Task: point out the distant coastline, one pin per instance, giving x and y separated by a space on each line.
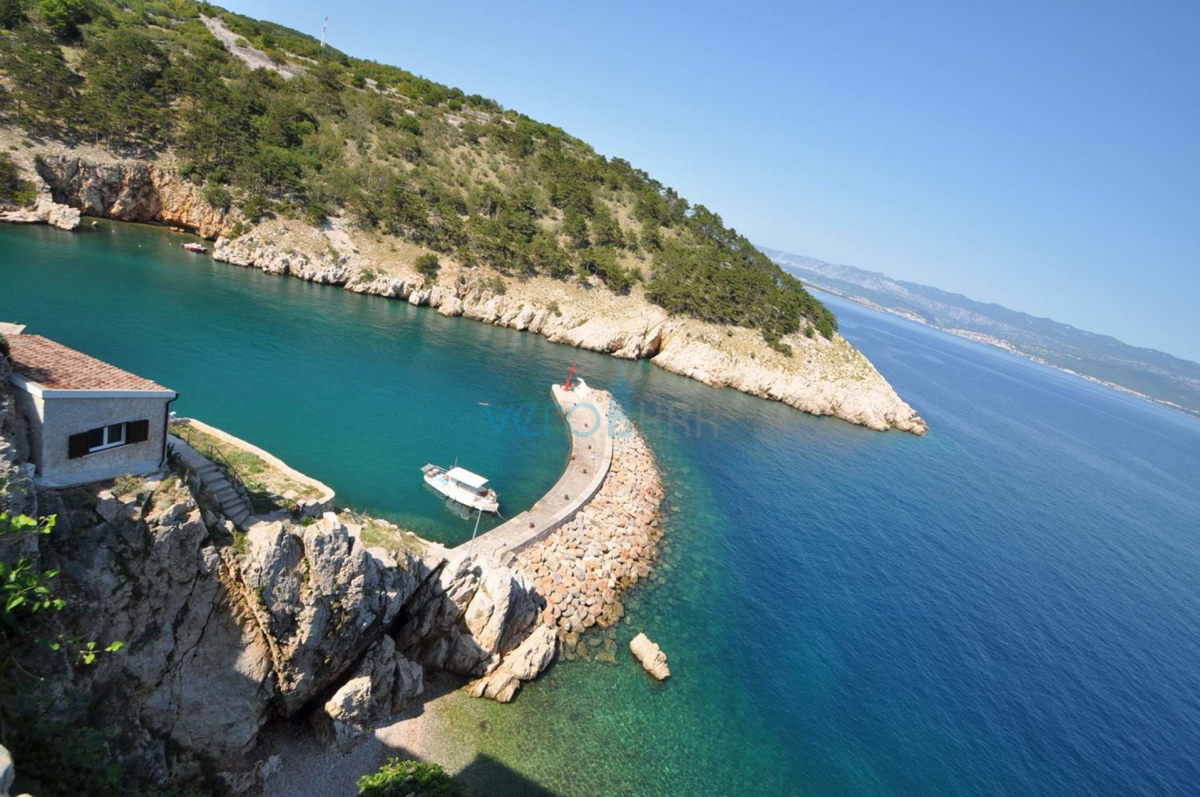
998 343
1140 372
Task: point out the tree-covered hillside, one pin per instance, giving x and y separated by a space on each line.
322 133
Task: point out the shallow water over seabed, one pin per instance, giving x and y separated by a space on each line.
1004 607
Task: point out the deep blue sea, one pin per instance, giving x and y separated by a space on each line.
1008 606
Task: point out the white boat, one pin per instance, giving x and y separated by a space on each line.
459 484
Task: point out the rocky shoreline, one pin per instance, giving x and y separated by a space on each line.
822 377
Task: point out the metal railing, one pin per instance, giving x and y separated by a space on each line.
214 455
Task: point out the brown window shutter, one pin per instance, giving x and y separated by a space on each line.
77 445
137 431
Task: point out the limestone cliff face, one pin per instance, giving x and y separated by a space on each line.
142 568
131 191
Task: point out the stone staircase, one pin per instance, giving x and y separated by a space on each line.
233 504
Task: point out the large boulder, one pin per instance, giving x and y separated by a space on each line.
523 663
651 656
384 682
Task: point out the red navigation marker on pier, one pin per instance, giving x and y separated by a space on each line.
570 377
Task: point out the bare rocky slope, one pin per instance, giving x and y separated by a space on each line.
823 376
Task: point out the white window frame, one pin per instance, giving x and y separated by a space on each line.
107 442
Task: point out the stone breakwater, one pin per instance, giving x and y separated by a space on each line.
583 568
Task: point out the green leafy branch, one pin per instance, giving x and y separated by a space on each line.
25 590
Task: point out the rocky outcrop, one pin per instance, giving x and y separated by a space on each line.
226 633
523 663
141 568
650 656
320 600
131 191
326 267
836 379
44 211
475 617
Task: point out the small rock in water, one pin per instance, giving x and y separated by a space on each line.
651 656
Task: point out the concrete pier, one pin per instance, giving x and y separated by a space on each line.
591 457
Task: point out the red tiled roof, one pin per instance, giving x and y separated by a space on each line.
58 367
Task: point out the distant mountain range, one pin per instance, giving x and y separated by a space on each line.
1148 373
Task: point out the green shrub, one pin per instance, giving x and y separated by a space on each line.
4 346
61 759
778 345
602 261
409 124
496 285
14 190
315 213
11 14
217 196
64 17
255 207
123 485
399 778
428 265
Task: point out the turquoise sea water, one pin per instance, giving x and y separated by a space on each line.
1007 606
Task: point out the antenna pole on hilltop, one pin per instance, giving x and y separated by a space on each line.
324 27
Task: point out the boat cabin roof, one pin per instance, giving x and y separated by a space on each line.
466 477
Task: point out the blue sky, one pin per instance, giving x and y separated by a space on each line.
1045 156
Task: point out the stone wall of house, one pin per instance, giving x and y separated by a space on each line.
64 417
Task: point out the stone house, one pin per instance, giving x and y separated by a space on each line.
86 420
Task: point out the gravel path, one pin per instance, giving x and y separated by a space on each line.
253 58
